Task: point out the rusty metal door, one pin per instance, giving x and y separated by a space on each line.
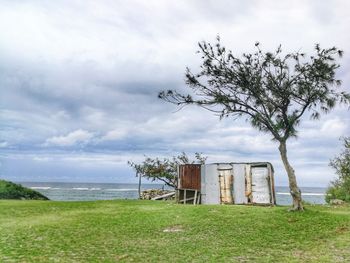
226 185
190 176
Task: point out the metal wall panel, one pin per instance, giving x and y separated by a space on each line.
239 184
260 185
261 176
210 190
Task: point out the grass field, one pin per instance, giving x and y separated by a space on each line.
150 231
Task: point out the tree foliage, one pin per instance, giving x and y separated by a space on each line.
271 90
340 188
165 170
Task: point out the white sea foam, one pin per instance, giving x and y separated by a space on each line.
314 194
80 188
40 187
121 190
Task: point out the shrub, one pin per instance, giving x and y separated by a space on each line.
340 188
9 190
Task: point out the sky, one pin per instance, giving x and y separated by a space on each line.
79 83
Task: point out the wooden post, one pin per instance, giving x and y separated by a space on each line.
185 196
177 180
195 197
138 174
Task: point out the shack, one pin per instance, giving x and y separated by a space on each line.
226 183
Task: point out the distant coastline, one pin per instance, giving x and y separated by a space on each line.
65 191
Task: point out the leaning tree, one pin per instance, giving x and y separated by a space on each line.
271 90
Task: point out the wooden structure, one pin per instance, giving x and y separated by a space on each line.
226 183
188 196
189 181
190 176
164 196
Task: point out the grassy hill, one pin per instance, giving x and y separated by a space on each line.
151 231
9 190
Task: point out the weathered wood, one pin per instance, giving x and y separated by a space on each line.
225 181
165 196
198 199
153 193
189 176
195 197
188 195
187 199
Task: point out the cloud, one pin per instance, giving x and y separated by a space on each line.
115 135
80 137
3 144
334 127
84 77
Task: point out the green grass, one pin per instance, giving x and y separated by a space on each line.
150 231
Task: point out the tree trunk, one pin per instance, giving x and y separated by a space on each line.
294 189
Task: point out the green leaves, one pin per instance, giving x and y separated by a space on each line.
340 188
165 169
272 90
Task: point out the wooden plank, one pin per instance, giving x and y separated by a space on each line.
188 199
163 196
187 195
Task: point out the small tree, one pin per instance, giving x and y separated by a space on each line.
271 90
165 169
340 188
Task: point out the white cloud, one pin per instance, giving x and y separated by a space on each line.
42 158
3 144
73 138
334 127
116 134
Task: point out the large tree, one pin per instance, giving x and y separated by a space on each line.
271 90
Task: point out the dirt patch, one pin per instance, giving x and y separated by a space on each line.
173 229
342 229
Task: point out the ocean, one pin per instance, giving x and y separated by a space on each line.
110 191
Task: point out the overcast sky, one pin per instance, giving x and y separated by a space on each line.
79 83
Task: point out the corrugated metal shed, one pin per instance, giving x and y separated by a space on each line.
236 183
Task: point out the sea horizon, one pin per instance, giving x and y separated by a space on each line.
87 191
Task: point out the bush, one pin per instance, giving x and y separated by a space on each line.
340 188
9 190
